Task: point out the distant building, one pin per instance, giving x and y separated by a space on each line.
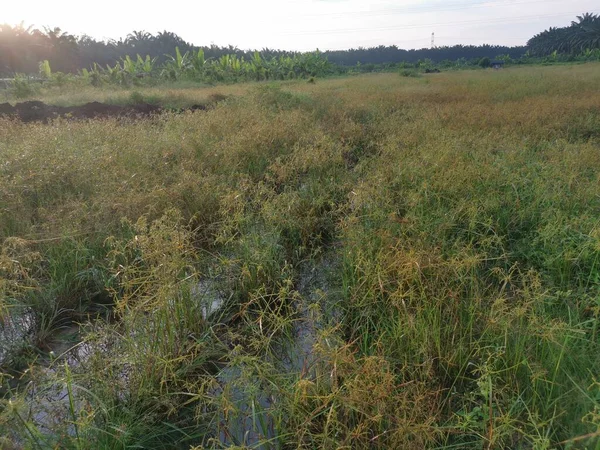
496 64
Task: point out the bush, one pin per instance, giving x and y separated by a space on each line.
23 87
485 62
412 73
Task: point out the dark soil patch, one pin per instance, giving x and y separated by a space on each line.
7 109
35 111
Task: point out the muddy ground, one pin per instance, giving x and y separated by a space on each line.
36 111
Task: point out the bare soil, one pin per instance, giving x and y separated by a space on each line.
36 111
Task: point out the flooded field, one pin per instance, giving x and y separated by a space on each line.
362 262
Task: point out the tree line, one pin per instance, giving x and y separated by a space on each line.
23 48
392 54
581 36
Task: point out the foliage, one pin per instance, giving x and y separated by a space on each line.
23 87
580 37
165 56
231 68
45 70
67 53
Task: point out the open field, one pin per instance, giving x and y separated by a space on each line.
363 262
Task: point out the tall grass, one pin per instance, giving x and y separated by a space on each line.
454 218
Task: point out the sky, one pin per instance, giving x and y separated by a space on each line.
306 24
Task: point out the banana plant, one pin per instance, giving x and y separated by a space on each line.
199 63
224 62
146 65
96 75
114 74
45 70
195 65
176 66
236 67
257 66
128 66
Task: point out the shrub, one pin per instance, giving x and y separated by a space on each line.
23 87
411 73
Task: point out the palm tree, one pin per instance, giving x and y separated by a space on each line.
581 35
21 48
137 37
63 52
586 33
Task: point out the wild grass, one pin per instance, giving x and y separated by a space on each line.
454 217
170 95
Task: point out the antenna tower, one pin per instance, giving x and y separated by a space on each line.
433 40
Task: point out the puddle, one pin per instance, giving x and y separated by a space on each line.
315 299
210 298
48 402
48 406
14 334
247 421
252 422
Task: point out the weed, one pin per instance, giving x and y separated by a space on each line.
458 218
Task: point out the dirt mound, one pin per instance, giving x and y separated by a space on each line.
35 111
6 109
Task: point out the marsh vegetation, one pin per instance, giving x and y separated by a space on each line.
367 262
